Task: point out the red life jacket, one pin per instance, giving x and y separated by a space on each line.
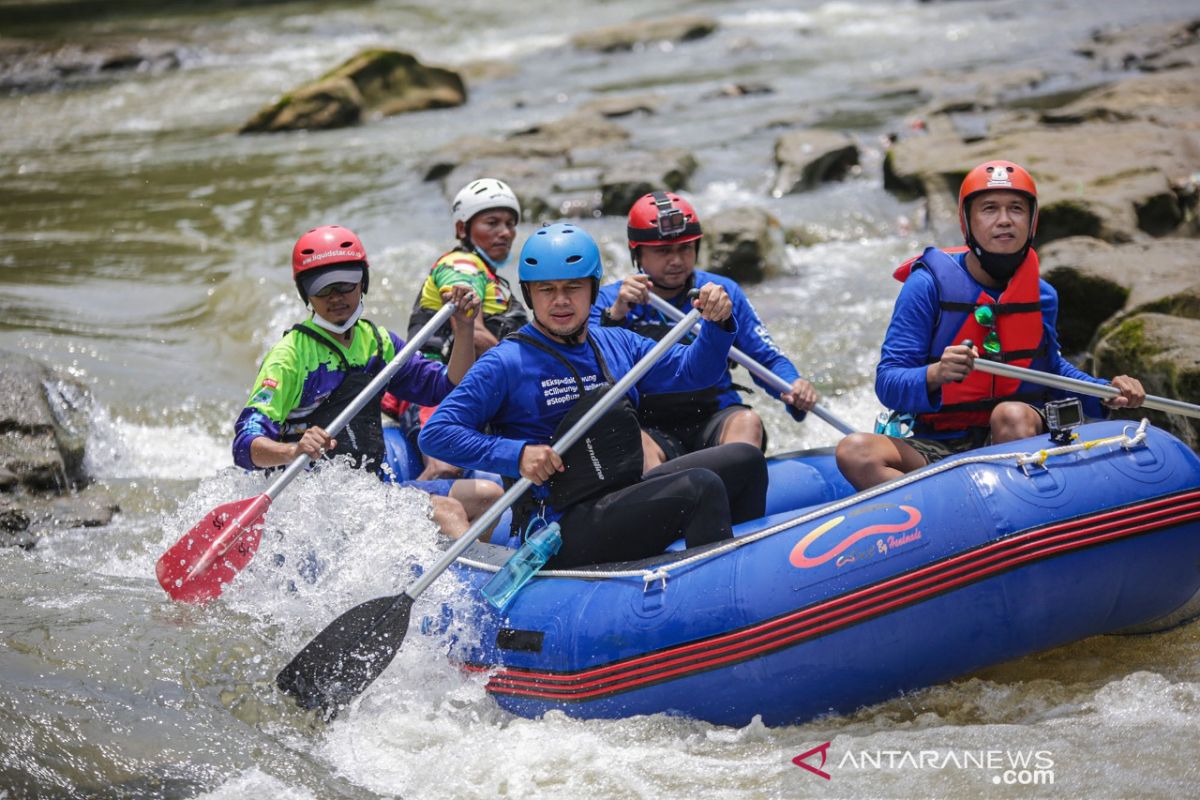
1018 315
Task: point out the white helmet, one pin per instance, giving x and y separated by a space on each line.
481 195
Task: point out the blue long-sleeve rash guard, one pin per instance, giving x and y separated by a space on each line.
900 376
520 394
752 337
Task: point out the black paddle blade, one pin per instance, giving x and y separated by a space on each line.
353 650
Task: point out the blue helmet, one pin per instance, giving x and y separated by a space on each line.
559 252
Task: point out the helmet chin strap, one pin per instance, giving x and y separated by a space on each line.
339 329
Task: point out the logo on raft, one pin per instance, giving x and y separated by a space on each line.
891 536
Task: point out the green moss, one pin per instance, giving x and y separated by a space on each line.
1128 339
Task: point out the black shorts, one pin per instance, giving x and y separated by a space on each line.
679 440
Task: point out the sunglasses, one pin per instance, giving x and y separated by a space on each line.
339 288
986 317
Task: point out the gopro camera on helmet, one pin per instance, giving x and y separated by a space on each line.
1061 417
671 220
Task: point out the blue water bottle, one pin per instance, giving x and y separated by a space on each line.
522 566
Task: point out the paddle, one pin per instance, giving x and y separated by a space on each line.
1082 387
196 568
758 370
353 650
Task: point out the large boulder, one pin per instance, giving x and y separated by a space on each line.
375 83
683 28
745 244
1121 185
1164 353
43 426
575 166
1096 282
44 421
805 159
635 174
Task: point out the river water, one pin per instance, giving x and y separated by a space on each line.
146 252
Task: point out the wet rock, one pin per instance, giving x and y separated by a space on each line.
1163 352
1150 47
375 83
1165 98
575 166
581 130
1122 184
808 158
739 90
1096 282
613 107
745 244
90 507
636 174
475 72
1086 297
683 28
44 421
35 66
43 424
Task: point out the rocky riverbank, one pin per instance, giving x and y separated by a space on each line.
1118 172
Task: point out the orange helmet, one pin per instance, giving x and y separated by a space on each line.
993 175
661 218
330 251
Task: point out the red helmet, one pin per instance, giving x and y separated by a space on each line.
662 218
994 175
321 249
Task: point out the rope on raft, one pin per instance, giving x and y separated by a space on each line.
1124 440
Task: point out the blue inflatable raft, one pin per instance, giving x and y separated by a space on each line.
836 600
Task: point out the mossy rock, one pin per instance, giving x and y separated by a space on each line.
374 83
1163 352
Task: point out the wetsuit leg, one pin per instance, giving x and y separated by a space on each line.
642 520
741 468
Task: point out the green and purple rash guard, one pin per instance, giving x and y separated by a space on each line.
298 374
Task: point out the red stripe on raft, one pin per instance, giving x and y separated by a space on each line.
856 606
901 583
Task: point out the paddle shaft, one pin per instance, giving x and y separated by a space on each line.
756 369
561 446
1082 387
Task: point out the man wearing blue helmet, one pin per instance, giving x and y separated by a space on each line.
531 387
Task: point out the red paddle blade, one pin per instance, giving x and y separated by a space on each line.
210 555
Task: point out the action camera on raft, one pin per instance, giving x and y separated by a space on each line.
1061 417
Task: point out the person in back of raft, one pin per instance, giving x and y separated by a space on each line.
532 387
485 214
321 365
989 293
664 243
